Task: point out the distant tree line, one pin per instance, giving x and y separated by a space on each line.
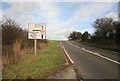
78 36
106 32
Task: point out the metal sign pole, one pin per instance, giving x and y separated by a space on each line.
35 46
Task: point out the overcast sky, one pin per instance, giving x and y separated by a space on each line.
61 18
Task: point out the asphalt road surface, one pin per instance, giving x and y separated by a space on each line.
93 63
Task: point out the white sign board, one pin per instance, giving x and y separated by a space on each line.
36 31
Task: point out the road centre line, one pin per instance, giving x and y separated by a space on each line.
73 45
97 54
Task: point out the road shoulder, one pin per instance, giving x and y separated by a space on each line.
68 72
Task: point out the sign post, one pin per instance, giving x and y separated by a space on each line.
36 31
35 46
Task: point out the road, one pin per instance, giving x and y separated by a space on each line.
93 63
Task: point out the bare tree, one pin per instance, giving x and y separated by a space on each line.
103 27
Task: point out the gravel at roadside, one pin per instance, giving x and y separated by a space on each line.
67 73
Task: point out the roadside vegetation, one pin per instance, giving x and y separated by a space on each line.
45 63
106 35
15 45
18 59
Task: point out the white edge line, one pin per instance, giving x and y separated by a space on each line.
67 54
64 55
97 54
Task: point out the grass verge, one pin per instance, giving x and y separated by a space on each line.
33 66
106 47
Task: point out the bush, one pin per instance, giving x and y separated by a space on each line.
15 42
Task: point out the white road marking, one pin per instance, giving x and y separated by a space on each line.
97 54
73 44
67 54
69 43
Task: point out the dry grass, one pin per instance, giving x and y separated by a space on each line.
13 53
41 45
17 50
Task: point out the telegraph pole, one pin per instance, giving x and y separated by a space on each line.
114 31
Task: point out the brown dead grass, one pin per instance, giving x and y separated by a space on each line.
41 45
14 53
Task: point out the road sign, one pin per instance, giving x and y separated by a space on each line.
36 31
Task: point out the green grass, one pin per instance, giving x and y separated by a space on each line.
107 47
44 63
